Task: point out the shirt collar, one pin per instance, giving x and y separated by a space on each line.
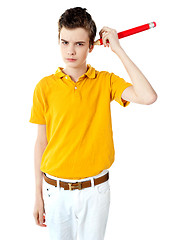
90 72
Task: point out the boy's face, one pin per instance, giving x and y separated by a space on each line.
74 46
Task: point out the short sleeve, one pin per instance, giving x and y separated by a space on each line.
118 85
38 107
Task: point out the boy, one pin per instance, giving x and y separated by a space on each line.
74 146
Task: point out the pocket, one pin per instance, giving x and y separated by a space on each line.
48 190
103 188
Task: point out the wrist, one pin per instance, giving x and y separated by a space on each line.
119 50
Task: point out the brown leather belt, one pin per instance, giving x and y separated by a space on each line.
76 185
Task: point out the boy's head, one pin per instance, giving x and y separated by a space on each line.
78 18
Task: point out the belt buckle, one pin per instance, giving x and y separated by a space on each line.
79 186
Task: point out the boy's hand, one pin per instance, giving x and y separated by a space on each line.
39 212
111 35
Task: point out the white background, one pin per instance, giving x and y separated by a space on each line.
146 175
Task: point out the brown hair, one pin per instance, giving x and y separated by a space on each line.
78 17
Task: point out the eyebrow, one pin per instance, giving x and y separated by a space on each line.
76 42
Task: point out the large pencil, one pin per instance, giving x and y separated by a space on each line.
130 32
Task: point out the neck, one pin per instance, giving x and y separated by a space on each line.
76 72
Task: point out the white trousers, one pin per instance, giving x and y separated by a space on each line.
77 214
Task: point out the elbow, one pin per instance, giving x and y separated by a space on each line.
151 99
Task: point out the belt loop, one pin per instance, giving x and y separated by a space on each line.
92 182
58 184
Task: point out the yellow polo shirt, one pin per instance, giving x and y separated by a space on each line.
78 121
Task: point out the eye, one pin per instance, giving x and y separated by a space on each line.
64 42
80 44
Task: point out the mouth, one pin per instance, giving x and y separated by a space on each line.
71 59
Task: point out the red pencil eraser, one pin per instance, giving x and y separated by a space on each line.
154 24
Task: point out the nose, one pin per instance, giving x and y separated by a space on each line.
71 50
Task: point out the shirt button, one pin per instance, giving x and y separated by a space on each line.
75 87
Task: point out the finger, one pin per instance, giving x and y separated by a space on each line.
105 39
41 222
36 217
44 225
41 218
108 30
104 29
44 219
108 44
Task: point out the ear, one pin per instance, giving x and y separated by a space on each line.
91 48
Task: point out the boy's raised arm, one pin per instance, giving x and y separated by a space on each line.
141 92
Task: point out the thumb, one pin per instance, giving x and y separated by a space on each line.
41 217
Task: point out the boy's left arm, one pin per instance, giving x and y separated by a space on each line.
141 92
